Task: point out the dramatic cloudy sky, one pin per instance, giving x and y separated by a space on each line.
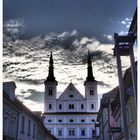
68 28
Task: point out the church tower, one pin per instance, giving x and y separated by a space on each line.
91 88
50 89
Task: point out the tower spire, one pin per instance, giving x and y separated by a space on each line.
51 70
90 76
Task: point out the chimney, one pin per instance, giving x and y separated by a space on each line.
9 89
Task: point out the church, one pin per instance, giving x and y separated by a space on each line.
71 116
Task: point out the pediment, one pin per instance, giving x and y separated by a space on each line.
71 93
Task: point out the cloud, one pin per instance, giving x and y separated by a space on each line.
35 96
123 33
14 27
108 37
123 22
34 106
127 22
26 62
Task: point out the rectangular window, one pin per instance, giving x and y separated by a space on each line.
50 91
60 132
71 106
34 127
91 92
93 133
29 127
13 125
72 132
22 124
83 132
82 106
50 106
60 106
92 106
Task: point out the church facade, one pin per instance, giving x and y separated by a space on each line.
71 116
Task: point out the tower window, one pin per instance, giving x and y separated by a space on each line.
60 106
91 92
82 106
50 92
50 106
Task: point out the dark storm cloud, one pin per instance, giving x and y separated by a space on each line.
26 80
71 50
101 83
88 17
32 66
35 96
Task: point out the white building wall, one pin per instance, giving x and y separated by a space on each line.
65 125
84 120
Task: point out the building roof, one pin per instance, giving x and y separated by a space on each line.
111 93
